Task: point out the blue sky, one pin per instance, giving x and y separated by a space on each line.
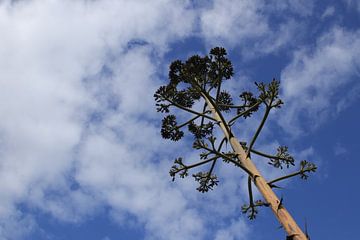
81 156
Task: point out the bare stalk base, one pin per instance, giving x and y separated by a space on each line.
270 197
283 216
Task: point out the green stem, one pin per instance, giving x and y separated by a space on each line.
243 113
218 91
251 200
202 119
187 122
268 155
221 143
198 164
190 110
219 86
258 130
211 169
290 175
229 159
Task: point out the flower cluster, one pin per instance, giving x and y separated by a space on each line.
206 180
169 129
282 157
269 93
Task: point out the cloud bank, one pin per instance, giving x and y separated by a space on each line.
72 76
314 82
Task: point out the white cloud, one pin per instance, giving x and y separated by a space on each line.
313 83
248 24
234 21
55 105
122 176
237 230
300 7
339 149
16 226
328 12
353 4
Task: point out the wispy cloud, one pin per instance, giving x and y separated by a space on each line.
313 83
353 4
339 149
247 24
58 127
235 230
329 11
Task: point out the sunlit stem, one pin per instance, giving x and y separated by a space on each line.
229 159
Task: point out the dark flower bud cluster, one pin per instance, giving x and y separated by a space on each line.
199 144
169 129
175 72
306 166
206 180
195 69
204 72
201 131
269 93
187 79
220 67
251 210
163 93
249 101
282 157
224 101
178 168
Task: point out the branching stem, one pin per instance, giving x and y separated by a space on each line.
234 106
202 118
301 171
251 199
207 97
228 159
232 121
222 119
187 122
190 110
266 114
198 164
267 155
211 169
221 143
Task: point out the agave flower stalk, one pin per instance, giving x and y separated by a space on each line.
200 79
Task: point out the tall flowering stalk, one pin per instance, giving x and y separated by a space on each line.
199 80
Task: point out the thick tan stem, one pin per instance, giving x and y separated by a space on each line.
270 197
